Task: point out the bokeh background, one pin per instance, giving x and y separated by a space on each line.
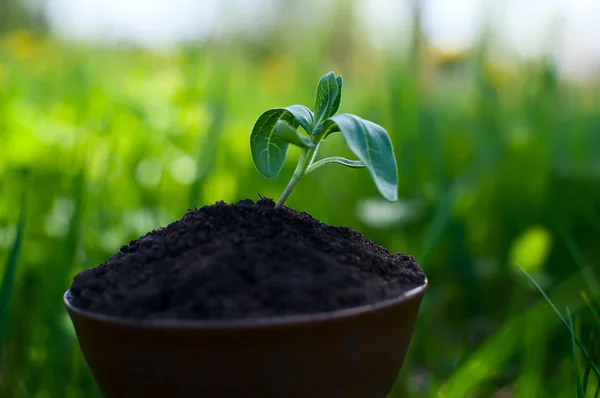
116 116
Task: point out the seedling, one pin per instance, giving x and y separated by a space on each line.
276 128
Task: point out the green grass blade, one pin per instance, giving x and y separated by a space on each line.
588 367
72 242
487 361
530 380
545 296
595 315
208 153
209 143
590 277
594 338
8 279
580 392
436 226
24 390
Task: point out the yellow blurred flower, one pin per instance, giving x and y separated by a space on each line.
446 58
277 75
23 44
530 249
499 76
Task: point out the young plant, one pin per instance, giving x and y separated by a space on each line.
276 128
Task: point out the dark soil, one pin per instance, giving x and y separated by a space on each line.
243 260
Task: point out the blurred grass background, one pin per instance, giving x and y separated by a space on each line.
499 164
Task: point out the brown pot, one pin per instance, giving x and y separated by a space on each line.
349 353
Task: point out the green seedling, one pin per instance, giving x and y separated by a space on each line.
276 128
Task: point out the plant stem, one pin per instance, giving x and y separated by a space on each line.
314 156
305 157
288 190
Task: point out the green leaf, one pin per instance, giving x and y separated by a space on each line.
371 144
291 135
327 92
8 280
318 130
355 164
338 98
303 116
324 129
267 147
594 312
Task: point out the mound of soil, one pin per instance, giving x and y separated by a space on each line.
241 260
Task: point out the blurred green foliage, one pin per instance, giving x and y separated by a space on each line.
496 166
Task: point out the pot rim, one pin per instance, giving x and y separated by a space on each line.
283 320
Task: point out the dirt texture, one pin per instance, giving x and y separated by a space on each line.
243 260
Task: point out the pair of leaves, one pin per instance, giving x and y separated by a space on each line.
328 97
276 128
269 147
290 134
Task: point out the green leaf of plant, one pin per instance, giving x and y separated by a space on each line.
371 144
338 98
268 149
327 92
291 135
318 129
356 164
303 116
324 129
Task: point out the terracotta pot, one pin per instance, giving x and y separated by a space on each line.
350 353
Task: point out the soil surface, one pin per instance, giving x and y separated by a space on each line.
243 260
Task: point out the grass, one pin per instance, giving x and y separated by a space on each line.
594 339
8 279
119 141
518 333
590 367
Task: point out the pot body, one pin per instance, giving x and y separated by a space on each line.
354 353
